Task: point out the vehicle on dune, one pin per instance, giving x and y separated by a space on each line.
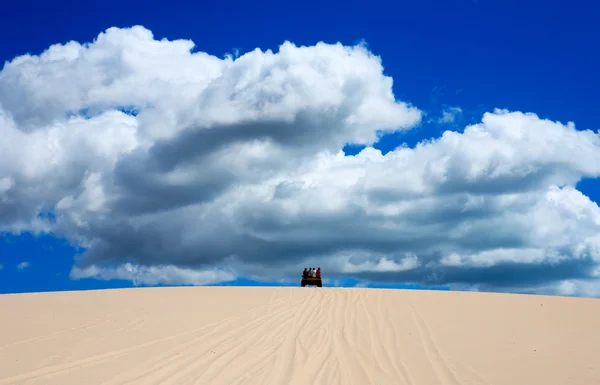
311 277
311 281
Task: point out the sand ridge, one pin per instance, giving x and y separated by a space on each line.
284 335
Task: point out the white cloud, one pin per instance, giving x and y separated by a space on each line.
449 115
571 287
154 275
23 265
382 265
237 162
487 258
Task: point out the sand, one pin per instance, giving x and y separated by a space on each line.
279 336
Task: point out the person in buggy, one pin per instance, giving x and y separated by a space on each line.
311 277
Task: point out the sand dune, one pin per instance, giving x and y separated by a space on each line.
279 336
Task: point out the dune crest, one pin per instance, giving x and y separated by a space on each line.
281 335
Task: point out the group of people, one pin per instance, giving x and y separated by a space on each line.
311 273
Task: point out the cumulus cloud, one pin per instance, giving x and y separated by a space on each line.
169 166
382 265
23 265
154 275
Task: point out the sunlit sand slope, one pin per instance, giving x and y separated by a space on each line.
281 336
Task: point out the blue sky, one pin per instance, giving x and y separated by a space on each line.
529 56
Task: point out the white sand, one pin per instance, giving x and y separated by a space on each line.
280 336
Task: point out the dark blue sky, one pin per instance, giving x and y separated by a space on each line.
532 56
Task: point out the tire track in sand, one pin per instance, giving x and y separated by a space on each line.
251 352
286 340
74 329
347 356
321 336
440 366
57 369
400 367
201 348
316 332
377 343
274 327
283 368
